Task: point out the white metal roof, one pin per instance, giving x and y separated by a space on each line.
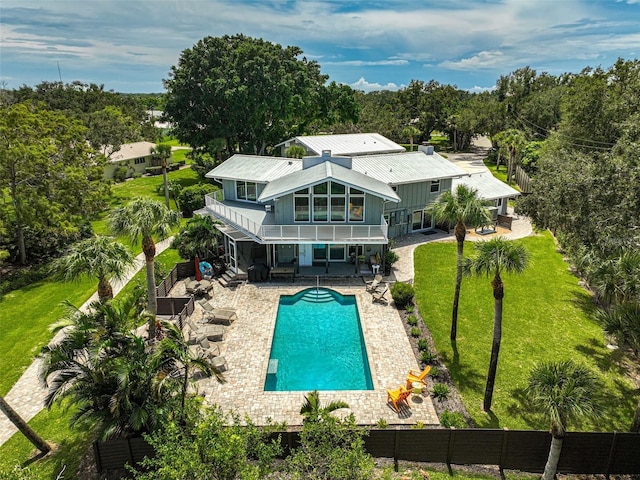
321 173
347 144
487 186
255 168
131 150
408 167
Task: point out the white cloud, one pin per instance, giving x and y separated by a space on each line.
362 84
482 60
477 89
367 63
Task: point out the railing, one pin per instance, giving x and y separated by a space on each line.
319 233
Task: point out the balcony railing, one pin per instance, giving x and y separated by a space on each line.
299 233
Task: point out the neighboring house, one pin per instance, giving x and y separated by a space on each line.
135 157
351 144
489 188
324 214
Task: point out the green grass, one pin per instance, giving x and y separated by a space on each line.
24 320
544 319
53 426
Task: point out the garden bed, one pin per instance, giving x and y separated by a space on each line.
439 373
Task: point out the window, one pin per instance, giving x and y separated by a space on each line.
301 208
338 205
336 252
247 191
356 208
435 186
320 209
140 160
320 189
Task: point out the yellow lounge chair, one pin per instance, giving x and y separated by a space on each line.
397 397
416 377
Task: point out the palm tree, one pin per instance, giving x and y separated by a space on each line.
141 219
23 427
562 390
494 257
109 374
462 207
410 132
178 361
199 237
162 152
312 410
96 257
515 140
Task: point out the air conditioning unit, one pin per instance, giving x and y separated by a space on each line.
267 208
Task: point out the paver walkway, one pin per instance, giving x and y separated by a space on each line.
27 395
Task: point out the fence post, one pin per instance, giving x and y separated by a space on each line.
132 463
96 455
395 451
452 434
503 451
612 452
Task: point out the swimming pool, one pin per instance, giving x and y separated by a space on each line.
318 344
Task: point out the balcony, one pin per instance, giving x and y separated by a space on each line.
262 232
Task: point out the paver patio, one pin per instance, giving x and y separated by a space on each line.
247 345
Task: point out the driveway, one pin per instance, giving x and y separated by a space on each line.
472 161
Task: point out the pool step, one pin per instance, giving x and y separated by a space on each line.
321 296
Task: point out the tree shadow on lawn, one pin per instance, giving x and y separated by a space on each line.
462 374
605 360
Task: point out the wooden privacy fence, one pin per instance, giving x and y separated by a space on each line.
582 452
522 179
177 308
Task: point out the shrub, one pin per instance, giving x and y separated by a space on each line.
427 357
434 372
412 320
415 332
423 344
452 419
382 423
153 170
418 426
402 294
440 391
192 198
136 175
120 174
409 308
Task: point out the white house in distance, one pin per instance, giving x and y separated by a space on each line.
133 156
350 144
329 213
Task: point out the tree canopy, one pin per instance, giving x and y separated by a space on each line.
252 92
53 182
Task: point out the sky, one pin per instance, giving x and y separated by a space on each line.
131 45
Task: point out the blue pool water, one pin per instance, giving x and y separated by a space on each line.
318 344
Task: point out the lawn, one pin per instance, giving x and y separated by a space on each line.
53 426
26 316
545 318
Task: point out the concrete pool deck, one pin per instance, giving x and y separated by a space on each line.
247 345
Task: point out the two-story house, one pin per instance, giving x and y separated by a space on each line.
325 213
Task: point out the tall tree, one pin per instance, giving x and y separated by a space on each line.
249 91
562 391
23 427
162 153
141 220
50 177
109 128
461 207
514 140
495 257
96 257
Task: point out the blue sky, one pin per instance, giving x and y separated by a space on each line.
130 46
